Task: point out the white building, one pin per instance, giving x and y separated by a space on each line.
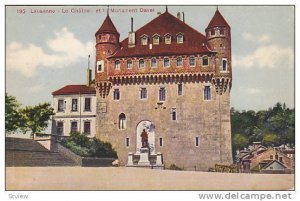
75 110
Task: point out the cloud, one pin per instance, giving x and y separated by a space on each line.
65 50
268 56
265 38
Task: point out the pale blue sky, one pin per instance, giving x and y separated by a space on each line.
44 52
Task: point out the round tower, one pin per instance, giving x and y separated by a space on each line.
107 42
219 38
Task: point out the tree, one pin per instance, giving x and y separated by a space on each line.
36 118
12 115
270 139
240 141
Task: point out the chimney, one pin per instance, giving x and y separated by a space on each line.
131 36
88 74
183 17
178 16
150 46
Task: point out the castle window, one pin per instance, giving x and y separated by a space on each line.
116 94
143 94
204 60
271 157
192 61
212 32
100 66
87 127
224 64
168 39
207 93
221 31
180 38
60 128
197 141
87 104
179 89
166 62
61 106
141 63
162 94
153 63
156 40
117 64
160 141
179 61
129 64
74 104
122 121
127 142
144 40
74 127
174 115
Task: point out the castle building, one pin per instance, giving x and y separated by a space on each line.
75 110
171 83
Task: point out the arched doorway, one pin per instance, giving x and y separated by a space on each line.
150 129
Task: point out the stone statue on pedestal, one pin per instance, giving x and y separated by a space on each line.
144 136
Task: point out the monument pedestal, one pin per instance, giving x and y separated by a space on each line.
144 157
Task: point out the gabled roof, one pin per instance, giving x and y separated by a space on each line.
274 161
194 41
217 20
107 27
74 89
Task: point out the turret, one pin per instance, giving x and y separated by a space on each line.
219 38
107 42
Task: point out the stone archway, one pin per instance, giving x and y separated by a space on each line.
150 129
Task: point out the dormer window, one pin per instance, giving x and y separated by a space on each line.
168 39
180 38
144 40
156 40
117 64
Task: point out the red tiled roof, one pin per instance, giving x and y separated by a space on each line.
75 89
194 42
107 27
217 20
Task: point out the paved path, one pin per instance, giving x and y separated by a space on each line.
122 178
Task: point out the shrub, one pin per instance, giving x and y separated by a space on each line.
84 146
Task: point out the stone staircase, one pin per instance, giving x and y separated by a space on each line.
27 152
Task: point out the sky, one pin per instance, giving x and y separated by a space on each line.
47 51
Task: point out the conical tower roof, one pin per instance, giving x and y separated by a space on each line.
217 20
107 27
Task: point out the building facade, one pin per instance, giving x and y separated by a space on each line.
170 81
75 110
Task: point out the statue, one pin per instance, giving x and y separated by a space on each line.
144 137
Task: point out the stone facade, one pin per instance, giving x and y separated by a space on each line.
186 107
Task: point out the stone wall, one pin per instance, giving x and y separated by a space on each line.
196 117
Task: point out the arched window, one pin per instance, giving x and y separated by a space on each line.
153 63
166 62
179 61
122 121
224 64
192 61
141 63
117 64
129 64
204 60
